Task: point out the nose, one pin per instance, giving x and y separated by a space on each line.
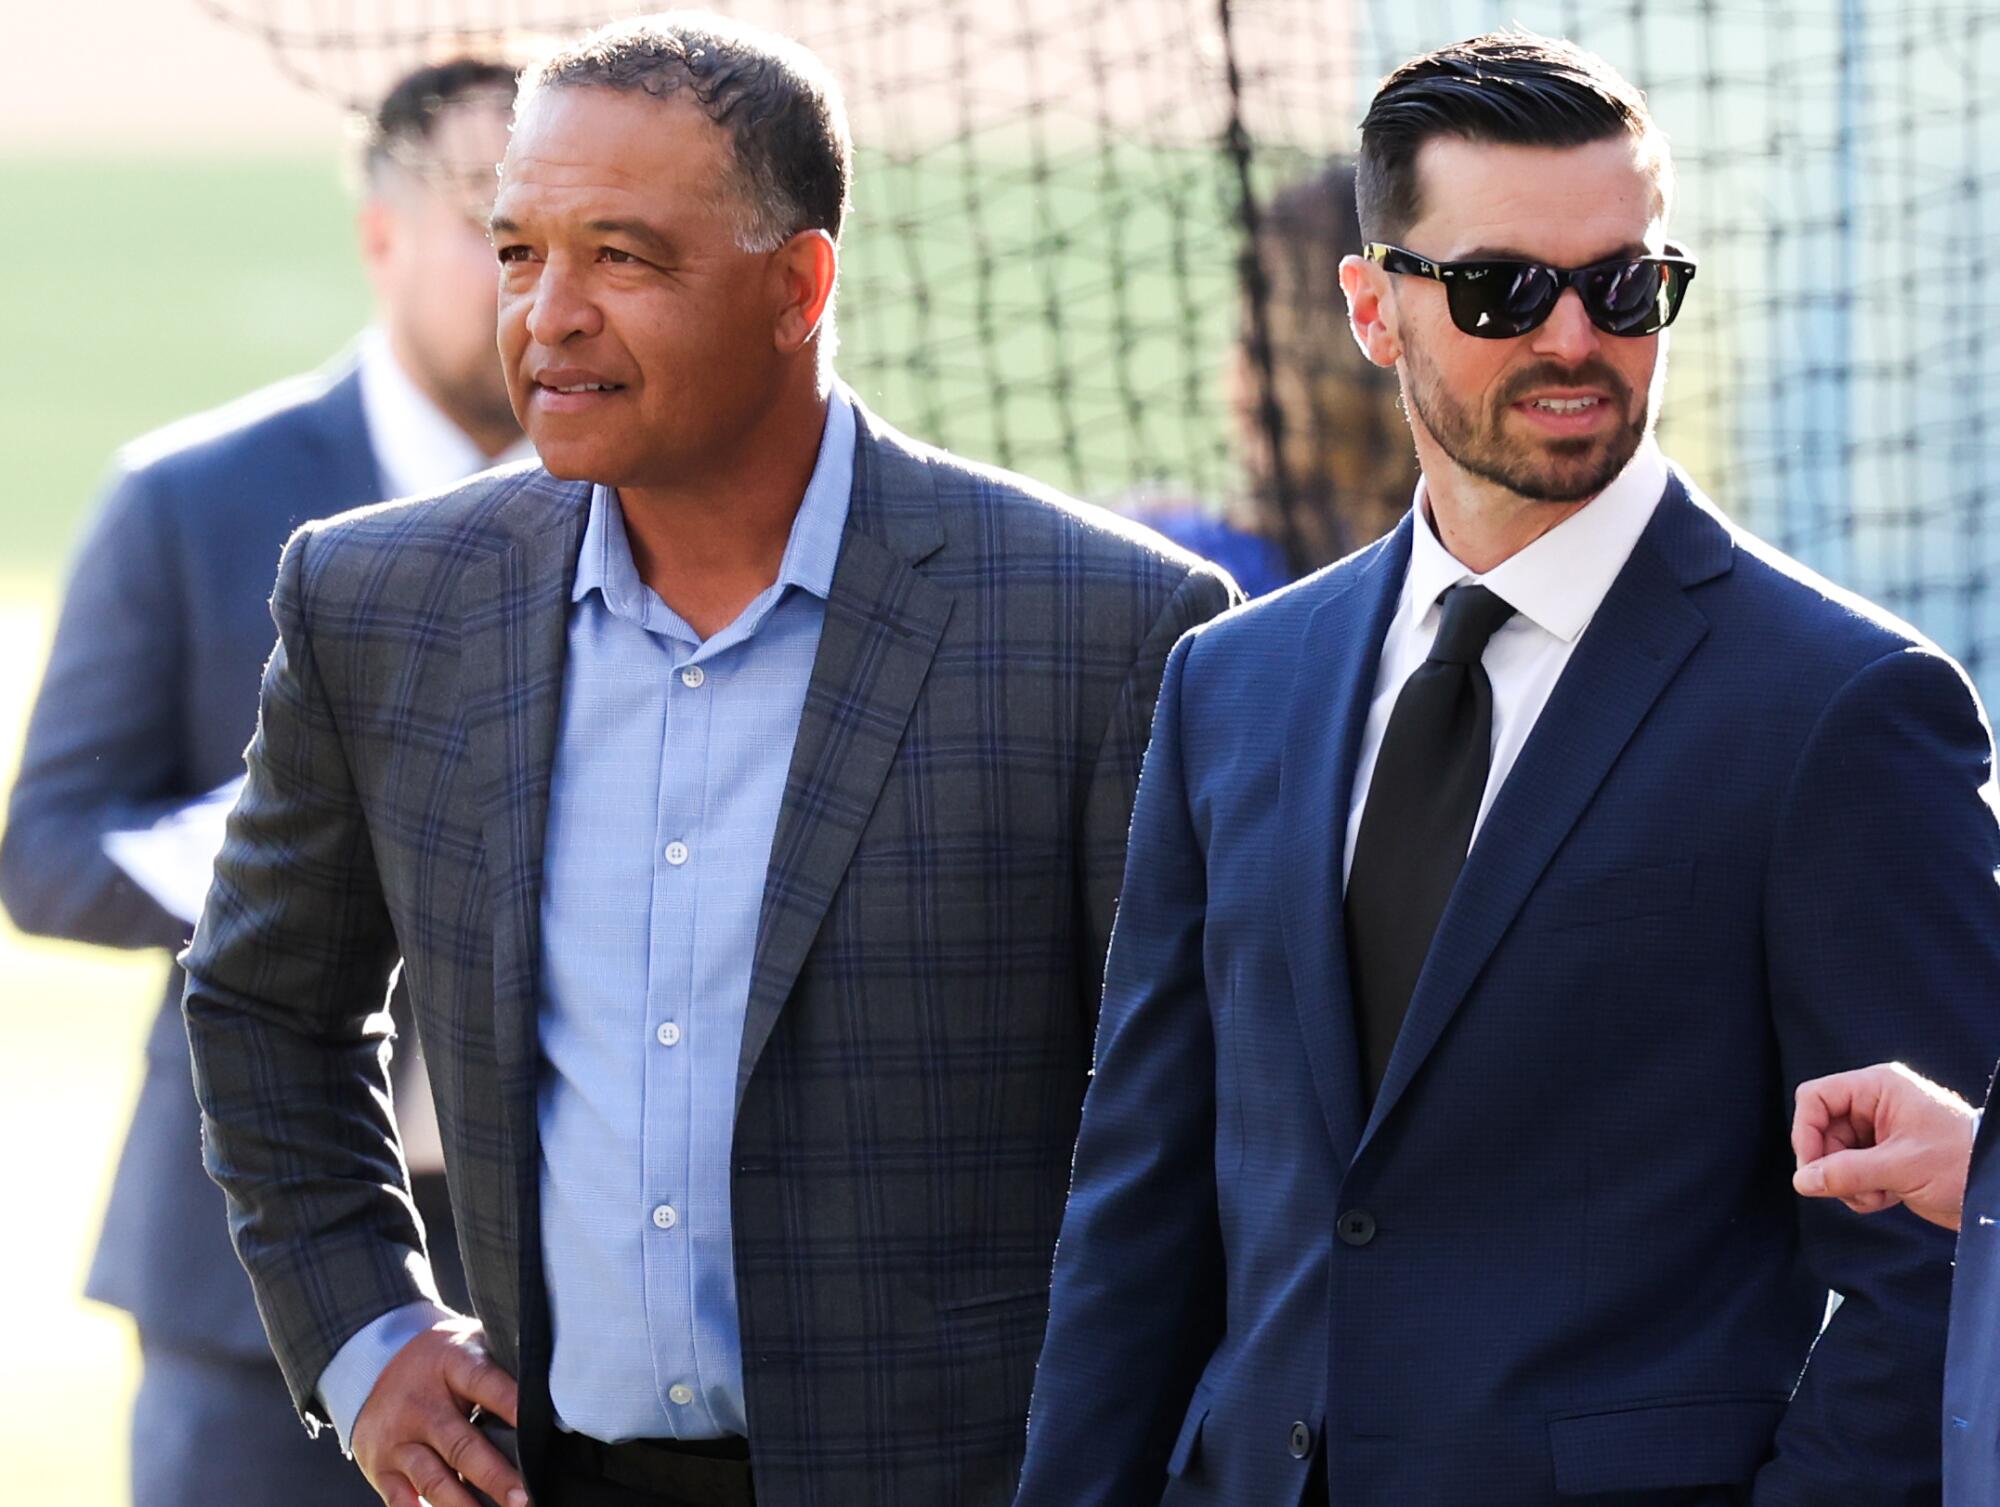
1567 335
560 306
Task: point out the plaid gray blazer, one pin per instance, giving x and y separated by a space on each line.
924 992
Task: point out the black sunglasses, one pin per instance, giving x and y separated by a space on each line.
1497 300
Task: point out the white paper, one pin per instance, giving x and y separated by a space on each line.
173 859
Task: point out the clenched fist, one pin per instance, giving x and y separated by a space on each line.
1881 1136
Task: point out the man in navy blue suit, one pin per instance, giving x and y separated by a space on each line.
149 699
1883 1137
1488 894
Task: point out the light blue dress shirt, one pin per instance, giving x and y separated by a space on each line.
669 773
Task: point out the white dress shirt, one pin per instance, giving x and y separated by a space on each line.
1555 586
418 449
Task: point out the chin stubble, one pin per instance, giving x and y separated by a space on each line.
1486 452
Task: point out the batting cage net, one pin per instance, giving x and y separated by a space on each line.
1097 241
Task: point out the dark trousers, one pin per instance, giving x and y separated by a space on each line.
210 1428
584 1473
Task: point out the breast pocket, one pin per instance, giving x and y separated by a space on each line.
1622 894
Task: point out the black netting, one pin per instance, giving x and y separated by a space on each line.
1047 264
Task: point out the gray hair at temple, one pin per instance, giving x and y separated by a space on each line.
776 101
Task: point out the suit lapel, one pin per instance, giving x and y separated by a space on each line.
1331 693
515 619
883 624
1630 653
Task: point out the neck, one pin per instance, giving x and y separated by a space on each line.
1483 524
709 542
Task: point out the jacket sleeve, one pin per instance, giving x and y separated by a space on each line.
288 975
1114 776
103 745
1137 1302
1883 943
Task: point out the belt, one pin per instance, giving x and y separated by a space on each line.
699 1470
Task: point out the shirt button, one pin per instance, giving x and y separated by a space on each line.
692 677
1299 1441
680 1392
665 1217
677 853
669 1034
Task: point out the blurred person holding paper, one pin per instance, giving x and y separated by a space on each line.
134 752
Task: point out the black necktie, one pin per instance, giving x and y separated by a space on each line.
1417 826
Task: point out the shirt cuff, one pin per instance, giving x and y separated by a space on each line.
355 1368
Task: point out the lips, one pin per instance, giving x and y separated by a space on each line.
572 389
1565 413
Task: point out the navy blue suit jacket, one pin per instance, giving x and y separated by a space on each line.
149 699
1749 841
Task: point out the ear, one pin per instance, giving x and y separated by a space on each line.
805 268
375 234
1371 310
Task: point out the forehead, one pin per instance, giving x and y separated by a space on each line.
470 134
458 157
593 152
1564 205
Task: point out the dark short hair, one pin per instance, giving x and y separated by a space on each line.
403 124
1512 88
779 106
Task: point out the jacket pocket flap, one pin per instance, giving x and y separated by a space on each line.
1190 1436
1654 889
1712 1441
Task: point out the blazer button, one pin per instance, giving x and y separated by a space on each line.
1356 1227
1301 1441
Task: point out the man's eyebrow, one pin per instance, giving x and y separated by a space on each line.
500 225
637 230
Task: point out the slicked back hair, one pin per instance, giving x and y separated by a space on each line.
1511 88
780 107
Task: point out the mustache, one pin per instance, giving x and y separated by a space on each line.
1595 372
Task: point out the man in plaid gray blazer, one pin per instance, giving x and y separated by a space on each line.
921 956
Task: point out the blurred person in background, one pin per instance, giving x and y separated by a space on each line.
135 749
1348 465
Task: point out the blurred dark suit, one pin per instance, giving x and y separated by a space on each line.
148 702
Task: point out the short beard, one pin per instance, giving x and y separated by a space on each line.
475 400
1593 463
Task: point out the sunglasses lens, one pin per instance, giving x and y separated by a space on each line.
1633 298
1499 300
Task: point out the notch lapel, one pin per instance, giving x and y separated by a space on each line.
883 624
1632 650
515 620
1331 692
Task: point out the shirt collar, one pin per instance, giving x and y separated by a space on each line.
604 562
418 449
1559 581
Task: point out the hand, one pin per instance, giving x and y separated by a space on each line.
1883 1136
413 1436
